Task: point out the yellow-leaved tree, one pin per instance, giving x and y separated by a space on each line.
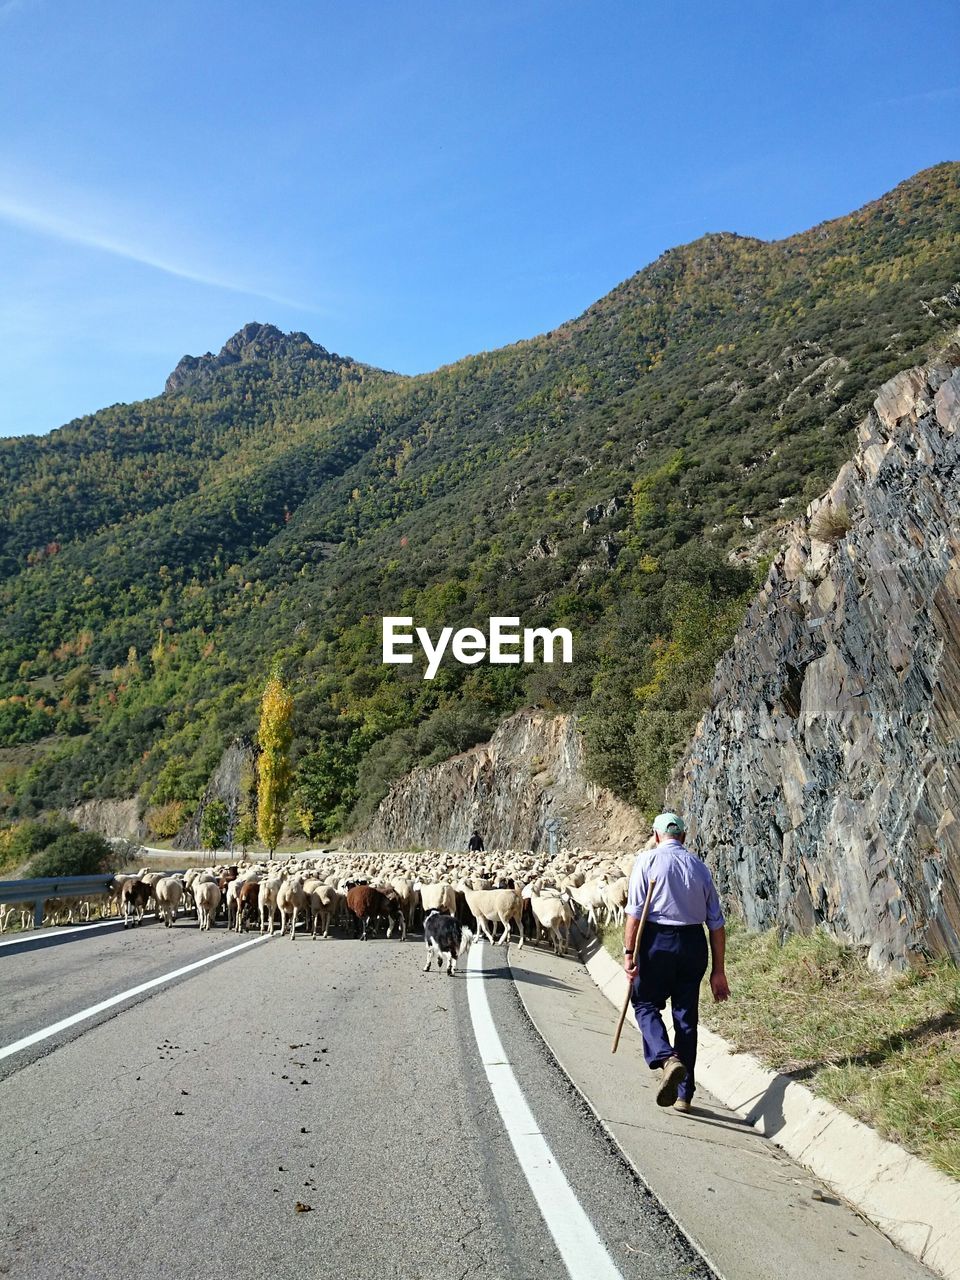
273 763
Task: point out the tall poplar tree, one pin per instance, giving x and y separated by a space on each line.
273 763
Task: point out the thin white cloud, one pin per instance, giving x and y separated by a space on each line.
23 214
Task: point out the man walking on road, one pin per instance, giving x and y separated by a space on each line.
673 954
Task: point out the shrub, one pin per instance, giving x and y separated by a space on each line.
165 820
450 729
77 853
20 723
26 839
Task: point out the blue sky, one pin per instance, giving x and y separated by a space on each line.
412 182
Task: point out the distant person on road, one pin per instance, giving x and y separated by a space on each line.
673 954
476 843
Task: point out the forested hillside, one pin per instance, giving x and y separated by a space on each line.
622 476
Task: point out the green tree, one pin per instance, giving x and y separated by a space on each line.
273 763
246 832
325 786
214 825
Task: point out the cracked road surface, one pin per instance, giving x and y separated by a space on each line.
177 1134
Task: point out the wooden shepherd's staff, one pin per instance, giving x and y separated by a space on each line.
636 952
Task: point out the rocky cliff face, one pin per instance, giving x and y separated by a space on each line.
227 783
251 343
824 784
524 789
110 817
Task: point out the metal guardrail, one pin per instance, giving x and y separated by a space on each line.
39 891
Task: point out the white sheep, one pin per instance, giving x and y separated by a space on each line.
436 897
554 913
56 908
114 892
493 907
206 894
325 901
168 892
152 879
10 910
406 895
267 902
615 899
290 899
589 896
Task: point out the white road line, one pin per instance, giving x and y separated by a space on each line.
584 1253
48 935
94 1009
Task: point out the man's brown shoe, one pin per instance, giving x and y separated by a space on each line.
682 1104
674 1074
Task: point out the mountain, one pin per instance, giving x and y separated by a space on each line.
626 475
225 414
254 344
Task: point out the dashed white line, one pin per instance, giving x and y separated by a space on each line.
94 1009
583 1252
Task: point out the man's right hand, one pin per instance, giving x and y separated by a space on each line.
629 966
719 986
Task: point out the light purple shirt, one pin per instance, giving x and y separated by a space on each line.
684 892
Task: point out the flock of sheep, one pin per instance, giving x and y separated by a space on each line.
538 896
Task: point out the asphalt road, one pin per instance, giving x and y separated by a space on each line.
49 974
176 1133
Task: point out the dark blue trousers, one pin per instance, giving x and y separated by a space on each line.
670 966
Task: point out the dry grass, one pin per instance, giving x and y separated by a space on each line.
885 1048
831 524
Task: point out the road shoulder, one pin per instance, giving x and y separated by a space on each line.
749 1209
914 1204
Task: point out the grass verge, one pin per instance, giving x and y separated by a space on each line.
885 1048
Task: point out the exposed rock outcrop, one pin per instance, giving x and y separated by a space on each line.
228 782
542 549
251 343
824 784
524 789
602 511
110 817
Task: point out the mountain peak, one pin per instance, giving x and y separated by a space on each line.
254 342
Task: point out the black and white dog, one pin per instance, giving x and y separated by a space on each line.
445 936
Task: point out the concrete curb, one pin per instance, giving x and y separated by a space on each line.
915 1205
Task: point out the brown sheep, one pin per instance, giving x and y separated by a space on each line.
134 896
367 903
248 905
